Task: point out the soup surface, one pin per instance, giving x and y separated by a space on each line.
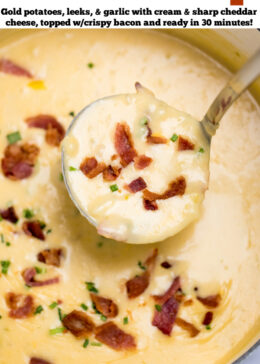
218 256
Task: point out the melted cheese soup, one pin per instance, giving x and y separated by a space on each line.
69 295
160 149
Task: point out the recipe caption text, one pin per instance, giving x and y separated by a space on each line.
123 17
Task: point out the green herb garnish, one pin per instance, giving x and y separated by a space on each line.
0 317
95 309
95 344
48 231
53 305
84 307
144 121
14 137
57 330
91 287
125 320
208 327
201 150
38 310
39 270
61 177
72 169
174 137
100 244
1 219
141 265
158 308
86 342
113 188
60 314
42 225
5 265
28 214
8 243
103 317
90 65
72 113
2 238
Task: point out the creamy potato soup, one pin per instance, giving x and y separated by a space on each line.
69 295
137 167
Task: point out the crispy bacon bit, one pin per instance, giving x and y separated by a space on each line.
33 228
185 325
137 285
171 291
165 318
50 256
29 274
111 335
7 66
124 144
111 173
188 302
38 361
21 306
207 318
176 188
104 305
55 132
136 185
91 168
142 161
153 139
166 265
78 323
150 205
185 144
210 301
18 160
9 214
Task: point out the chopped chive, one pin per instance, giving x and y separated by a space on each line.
141 265
84 307
103 317
144 121
14 137
201 150
48 231
91 287
27 286
90 65
95 344
61 177
42 225
57 330
8 243
95 309
5 265
72 169
125 320
113 188
86 342
100 244
158 308
174 137
61 316
38 270
2 238
72 113
1 217
38 310
208 327
53 305
28 214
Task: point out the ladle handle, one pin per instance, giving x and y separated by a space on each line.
239 83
